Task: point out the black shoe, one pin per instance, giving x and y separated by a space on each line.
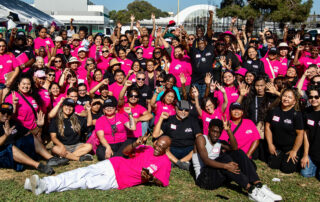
183 165
86 157
56 161
45 169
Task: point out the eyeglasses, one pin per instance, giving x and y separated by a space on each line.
58 61
123 40
315 97
51 75
140 53
141 79
89 64
191 39
105 51
157 52
133 96
317 83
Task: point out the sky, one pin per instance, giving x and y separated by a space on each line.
169 5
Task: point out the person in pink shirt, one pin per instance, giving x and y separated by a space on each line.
26 102
50 77
8 62
284 50
116 87
244 130
112 129
57 67
103 61
272 65
306 61
139 113
145 164
208 109
304 81
166 104
57 46
39 80
95 49
126 63
146 47
75 45
135 68
95 80
43 40
55 95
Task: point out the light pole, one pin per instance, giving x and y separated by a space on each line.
178 12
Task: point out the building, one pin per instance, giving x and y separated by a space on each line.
84 13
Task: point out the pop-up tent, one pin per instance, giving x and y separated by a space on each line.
23 13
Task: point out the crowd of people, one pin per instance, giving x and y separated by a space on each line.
212 103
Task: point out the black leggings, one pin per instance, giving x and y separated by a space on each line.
212 178
280 162
116 148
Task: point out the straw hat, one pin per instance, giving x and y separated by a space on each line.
114 62
73 60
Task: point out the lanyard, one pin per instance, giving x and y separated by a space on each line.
256 109
271 68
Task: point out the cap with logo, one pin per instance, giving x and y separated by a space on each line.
273 51
236 105
110 102
183 105
6 108
69 102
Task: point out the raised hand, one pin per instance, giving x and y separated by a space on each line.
132 18
271 88
15 99
211 12
243 28
221 88
208 78
183 79
234 19
87 106
128 83
164 115
40 119
119 25
222 60
300 48
153 17
297 40
7 129
159 89
138 24
226 123
105 81
243 89
195 92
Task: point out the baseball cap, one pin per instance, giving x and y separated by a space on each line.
183 105
82 49
40 74
21 35
6 108
58 38
110 102
69 102
273 51
242 71
236 105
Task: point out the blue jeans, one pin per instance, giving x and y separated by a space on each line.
144 127
180 152
311 171
201 89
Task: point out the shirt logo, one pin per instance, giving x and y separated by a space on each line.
276 118
234 94
208 54
188 130
198 56
144 94
255 66
135 114
249 62
208 119
248 131
14 131
310 122
9 61
172 126
177 66
119 122
152 168
288 121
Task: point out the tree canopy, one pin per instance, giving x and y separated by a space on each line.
273 10
140 9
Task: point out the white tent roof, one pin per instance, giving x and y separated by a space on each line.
26 13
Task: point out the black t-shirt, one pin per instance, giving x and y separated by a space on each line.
182 133
255 66
283 125
110 76
96 116
145 94
201 62
312 126
83 100
18 132
70 137
143 63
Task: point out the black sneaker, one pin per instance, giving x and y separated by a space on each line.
56 161
45 169
86 157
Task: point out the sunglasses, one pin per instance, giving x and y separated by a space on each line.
133 96
191 39
105 51
315 97
58 61
316 83
140 53
123 40
140 79
96 103
51 75
181 109
4 111
157 52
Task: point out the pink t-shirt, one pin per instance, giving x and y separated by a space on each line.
24 114
74 51
38 42
115 88
7 64
125 65
78 109
306 82
128 171
104 124
206 118
103 63
307 60
284 66
275 65
92 51
133 78
246 134
181 66
232 95
137 111
162 107
56 100
58 73
46 100
94 84
147 52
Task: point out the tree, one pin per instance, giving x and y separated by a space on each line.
272 10
140 9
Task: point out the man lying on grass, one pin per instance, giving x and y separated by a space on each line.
216 161
144 165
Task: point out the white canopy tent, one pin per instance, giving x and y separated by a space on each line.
23 13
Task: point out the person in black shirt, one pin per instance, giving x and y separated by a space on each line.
251 62
182 129
66 130
145 92
310 162
19 146
83 97
140 59
284 133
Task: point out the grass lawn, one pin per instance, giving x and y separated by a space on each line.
292 187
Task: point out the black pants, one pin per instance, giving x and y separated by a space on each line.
116 148
262 152
212 178
280 162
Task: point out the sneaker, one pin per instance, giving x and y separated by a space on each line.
259 196
27 184
38 186
265 189
86 157
45 169
183 165
56 161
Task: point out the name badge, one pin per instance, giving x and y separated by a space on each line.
208 119
172 126
198 56
255 66
276 118
310 122
208 54
48 42
249 62
165 108
1 66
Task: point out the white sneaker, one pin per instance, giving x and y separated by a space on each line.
265 189
27 184
38 186
259 196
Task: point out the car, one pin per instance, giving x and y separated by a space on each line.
313 33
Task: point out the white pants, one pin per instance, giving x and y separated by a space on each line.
96 176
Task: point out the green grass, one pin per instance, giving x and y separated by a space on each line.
292 187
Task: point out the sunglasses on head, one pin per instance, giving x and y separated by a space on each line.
315 97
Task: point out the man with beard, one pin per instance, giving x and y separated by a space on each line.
183 130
